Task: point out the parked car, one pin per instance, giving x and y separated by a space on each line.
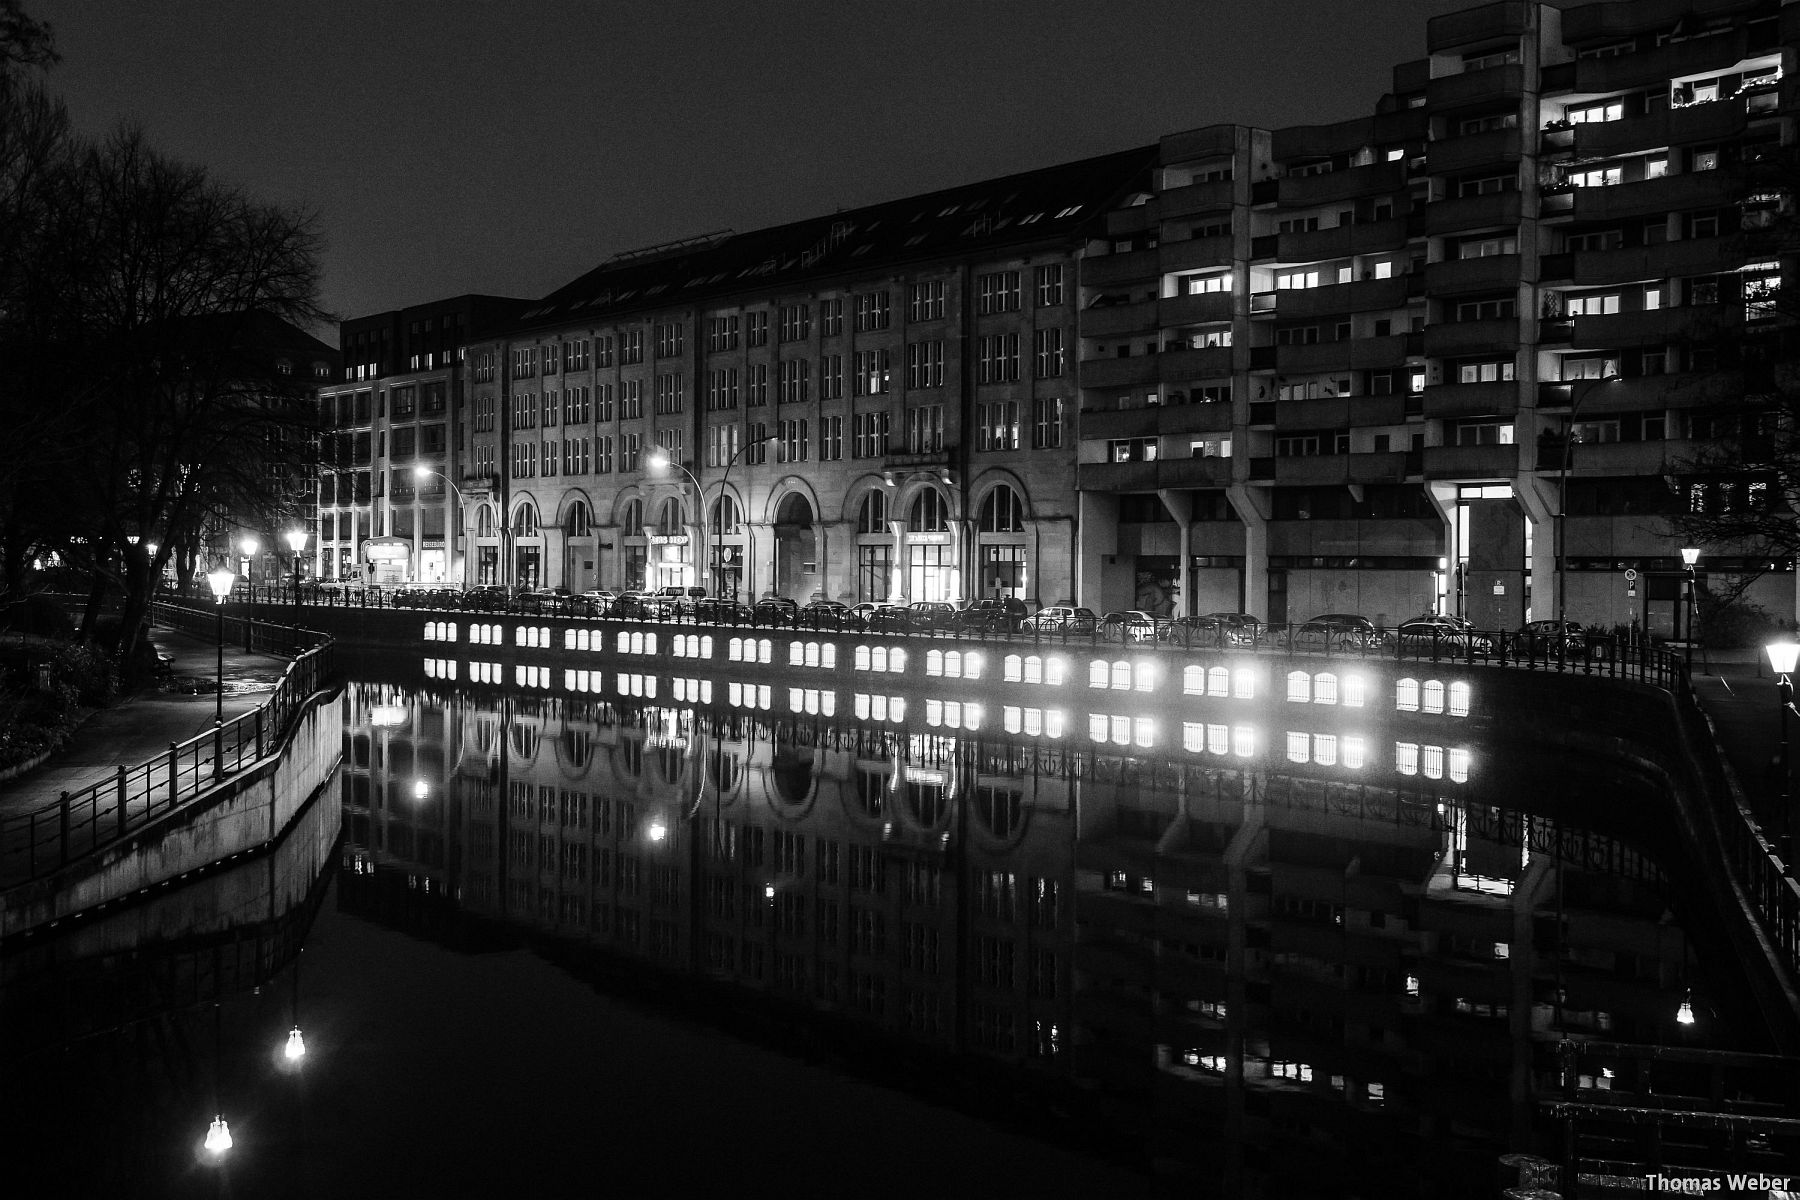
882 618
595 602
929 616
680 600
486 597
1444 633
993 615
829 614
774 610
544 601
714 610
1550 637
1197 631
1129 625
1338 631
638 606
1062 618
1242 629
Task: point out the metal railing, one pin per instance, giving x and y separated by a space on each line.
37 843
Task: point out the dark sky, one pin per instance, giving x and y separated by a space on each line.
451 146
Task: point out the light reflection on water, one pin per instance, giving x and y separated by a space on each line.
1250 982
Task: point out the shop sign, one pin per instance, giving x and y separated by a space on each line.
668 539
928 539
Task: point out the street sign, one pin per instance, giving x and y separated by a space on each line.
1630 575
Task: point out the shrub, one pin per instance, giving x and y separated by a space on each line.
83 673
36 614
1735 625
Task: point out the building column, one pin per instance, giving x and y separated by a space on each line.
897 585
1542 499
1181 507
1097 541
1252 506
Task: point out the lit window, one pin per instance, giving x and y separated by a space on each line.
1325 688
1299 687
1459 699
1406 695
1243 741
1433 701
1406 758
1459 765
1355 690
1325 749
1299 747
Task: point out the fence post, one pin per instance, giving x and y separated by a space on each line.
62 830
174 769
259 734
121 799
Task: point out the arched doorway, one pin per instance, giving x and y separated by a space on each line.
796 549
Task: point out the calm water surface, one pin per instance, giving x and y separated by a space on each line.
542 947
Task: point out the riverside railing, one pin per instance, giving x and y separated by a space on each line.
79 823
1615 656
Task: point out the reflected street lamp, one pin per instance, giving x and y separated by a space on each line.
296 540
248 545
1782 656
1690 555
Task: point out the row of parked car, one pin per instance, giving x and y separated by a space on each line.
1433 632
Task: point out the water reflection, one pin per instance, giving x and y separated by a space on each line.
1250 980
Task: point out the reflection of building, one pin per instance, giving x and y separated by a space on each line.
1274 972
1329 368
399 407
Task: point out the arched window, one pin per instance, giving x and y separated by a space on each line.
580 521
930 513
725 515
872 516
671 518
632 520
525 520
1003 511
484 521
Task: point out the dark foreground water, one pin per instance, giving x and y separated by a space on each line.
546 948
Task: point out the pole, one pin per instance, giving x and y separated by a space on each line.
1690 627
219 691
1784 689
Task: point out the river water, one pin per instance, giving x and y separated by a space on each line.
554 946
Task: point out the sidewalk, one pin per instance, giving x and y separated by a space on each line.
1737 691
142 725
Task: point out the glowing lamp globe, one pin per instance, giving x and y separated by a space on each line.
296 1046
218 1136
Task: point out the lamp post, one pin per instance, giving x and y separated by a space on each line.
420 474
220 582
248 546
659 460
1782 656
1690 555
1577 396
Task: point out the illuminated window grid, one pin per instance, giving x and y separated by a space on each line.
952 714
812 654
1432 696
750 650
748 695
1031 668
440 631
1203 737
632 683
529 676
953 664
575 680
532 635
891 659
812 701
876 707
1237 683
440 668
637 642
693 645
485 672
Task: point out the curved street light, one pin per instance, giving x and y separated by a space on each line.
660 460
420 474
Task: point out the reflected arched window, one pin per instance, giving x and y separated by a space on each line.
668 764
999 809
524 741
632 520
628 757
725 515
791 773
1003 511
525 520
484 521
930 513
580 521
726 771
871 790
872 516
577 747
927 802
670 523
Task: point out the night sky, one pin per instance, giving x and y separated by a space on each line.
450 146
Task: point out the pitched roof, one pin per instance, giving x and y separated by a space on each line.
983 216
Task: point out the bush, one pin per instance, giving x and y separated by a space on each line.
1735 625
37 614
83 673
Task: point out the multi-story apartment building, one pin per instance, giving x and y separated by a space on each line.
1454 355
388 506
1449 355
876 404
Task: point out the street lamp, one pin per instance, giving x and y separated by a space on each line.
1576 398
1690 555
248 546
420 474
659 460
220 582
296 540
1782 656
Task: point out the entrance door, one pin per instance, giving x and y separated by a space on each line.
796 549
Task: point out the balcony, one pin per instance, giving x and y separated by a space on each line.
1192 253
1303 191
1691 389
1333 412
1120 423
1651 197
1212 472
1604 139
1352 537
1473 212
1181 365
1188 310
1489 23
1368 237
1118 372
1655 67
1493 147
1464 275
1105 270
1498 336
1116 477
1714 122
1621 458
1471 462
1486 86
1112 319
1652 328
1697 256
1196 418
1362 296
1472 399
1197 198
1321 141
1136 219
1316 470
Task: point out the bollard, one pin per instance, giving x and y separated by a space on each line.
173 766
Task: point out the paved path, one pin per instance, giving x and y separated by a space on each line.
142 726
1738 693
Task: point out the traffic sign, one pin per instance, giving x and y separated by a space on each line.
1630 575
